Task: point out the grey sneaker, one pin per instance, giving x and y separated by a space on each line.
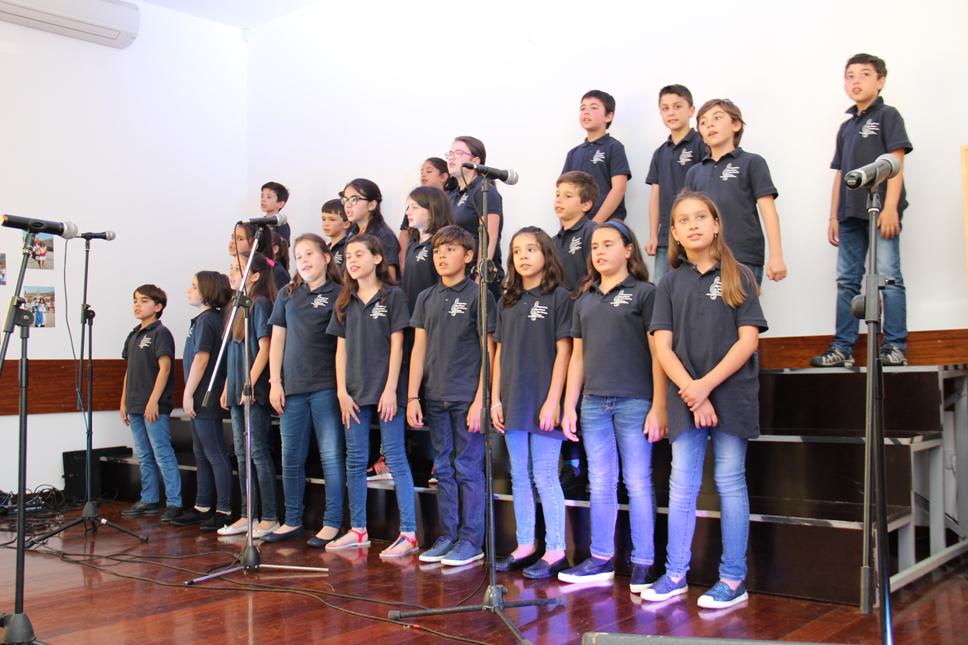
892 356
833 357
436 553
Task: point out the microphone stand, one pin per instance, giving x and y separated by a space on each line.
90 517
248 559
493 600
16 626
867 307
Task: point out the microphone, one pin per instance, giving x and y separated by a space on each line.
508 176
104 235
66 230
873 174
272 220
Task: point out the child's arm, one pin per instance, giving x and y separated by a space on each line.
347 405
161 380
195 374
776 268
474 419
260 361
576 378
124 390
497 407
614 197
417 357
550 415
697 391
277 347
704 416
653 243
889 221
657 420
387 407
404 238
833 227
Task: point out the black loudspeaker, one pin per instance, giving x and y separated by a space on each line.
602 638
74 489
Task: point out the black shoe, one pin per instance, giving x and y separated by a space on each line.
320 543
591 570
192 516
643 577
542 569
170 514
510 563
141 508
217 520
275 536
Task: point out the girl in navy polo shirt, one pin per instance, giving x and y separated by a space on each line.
261 289
433 174
428 211
623 406
706 322
302 387
530 366
361 200
369 320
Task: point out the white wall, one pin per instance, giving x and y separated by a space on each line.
339 90
148 141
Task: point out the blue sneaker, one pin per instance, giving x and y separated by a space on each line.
436 553
591 570
721 596
664 589
463 553
643 577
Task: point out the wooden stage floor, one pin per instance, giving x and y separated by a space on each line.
137 596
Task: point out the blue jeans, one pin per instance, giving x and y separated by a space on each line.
152 443
459 469
534 463
394 451
214 473
304 413
661 263
261 458
612 427
688 452
851 256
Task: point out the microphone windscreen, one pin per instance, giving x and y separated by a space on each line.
70 230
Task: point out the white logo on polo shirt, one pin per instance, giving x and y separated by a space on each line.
870 129
574 246
538 312
685 157
621 298
338 257
462 200
715 289
598 157
729 172
320 301
144 342
422 254
457 307
379 311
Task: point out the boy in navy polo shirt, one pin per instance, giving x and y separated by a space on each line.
336 227
667 172
146 403
272 199
447 350
739 183
575 196
601 156
873 129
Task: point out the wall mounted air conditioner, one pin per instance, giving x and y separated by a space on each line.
107 22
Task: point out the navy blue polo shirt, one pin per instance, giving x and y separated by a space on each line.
367 329
574 246
602 159
205 335
735 182
704 328
279 275
337 250
670 162
419 271
449 315
309 359
142 349
467 205
391 245
259 327
613 328
528 332
860 140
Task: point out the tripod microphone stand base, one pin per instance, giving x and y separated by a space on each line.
91 519
249 560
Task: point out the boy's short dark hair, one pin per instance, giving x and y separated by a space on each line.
335 207
880 67
678 90
153 293
282 193
587 188
607 100
729 108
453 234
